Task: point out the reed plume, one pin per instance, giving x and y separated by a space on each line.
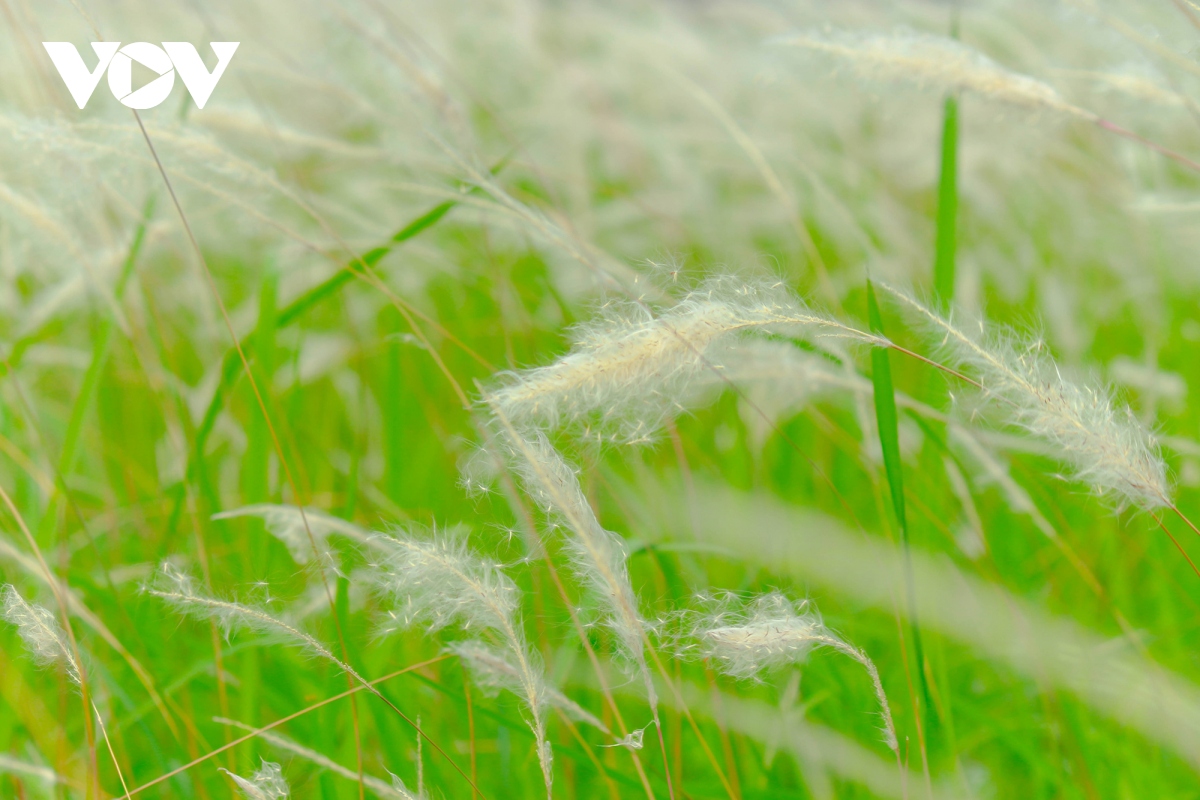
493 670
440 582
1103 442
179 590
266 784
597 555
404 792
376 785
287 524
749 637
41 633
631 367
936 63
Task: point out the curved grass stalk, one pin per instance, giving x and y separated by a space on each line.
376 785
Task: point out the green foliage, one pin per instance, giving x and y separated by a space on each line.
946 242
378 256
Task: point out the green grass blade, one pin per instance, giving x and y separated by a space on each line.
256 480
885 414
889 440
328 287
946 243
101 345
230 370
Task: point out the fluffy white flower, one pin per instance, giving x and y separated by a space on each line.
934 62
1103 442
441 581
630 368
746 638
41 632
266 784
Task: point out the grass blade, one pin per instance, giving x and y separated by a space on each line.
946 243
101 345
889 440
286 316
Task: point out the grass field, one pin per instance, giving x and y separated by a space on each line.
668 400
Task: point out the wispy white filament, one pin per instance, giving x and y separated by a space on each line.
179 590
41 632
403 791
374 784
937 63
746 638
266 784
598 555
288 525
439 582
1104 443
493 670
630 368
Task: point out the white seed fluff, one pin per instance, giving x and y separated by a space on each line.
179 590
41 632
598 555
934 62
266 784
746 638
292 527
631 368
494 670
441 581
1104 443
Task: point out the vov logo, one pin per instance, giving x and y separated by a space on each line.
172 57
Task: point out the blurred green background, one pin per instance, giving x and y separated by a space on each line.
335 186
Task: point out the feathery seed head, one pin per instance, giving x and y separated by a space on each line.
1103 442
598 555
494 670
266 784
178 589
292 527
40 631
937 63
441 581
631 368
748 637
403 791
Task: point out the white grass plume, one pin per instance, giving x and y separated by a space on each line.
629 368
746 638
41 632
776 379
179 590
937 63
493 671
266 784
287 524
440 582
598 555
404 792
1104 443
1132 84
